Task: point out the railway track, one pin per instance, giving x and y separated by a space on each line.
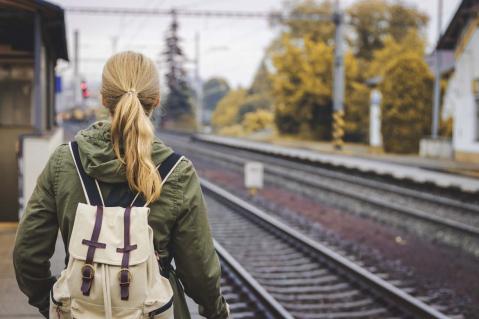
445 219
305 277
245 296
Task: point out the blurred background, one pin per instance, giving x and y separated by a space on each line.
352 122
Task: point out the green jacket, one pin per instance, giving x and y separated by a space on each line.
178 218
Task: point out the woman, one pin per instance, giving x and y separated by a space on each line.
123 155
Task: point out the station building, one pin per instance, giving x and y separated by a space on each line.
32 40
461 98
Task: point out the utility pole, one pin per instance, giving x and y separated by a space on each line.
114 44
338 76
75 52
76 59
437 80
199 85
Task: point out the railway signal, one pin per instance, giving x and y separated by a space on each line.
84 90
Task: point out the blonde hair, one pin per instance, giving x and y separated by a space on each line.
130 90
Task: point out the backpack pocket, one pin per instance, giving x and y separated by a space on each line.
163 312
59 309
82 309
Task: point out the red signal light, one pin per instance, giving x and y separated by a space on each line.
84 89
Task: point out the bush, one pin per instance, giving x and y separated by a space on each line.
227 109
235 130
257 121
407 100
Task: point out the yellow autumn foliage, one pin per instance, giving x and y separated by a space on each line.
228 108
406 105
258 120
411 42
235 130
302 90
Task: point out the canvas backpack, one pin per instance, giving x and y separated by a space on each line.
112 269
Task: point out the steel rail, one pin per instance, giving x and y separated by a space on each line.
435 199
359 275
273 309
416 213
451 224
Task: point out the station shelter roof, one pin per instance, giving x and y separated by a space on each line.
17 28
467 10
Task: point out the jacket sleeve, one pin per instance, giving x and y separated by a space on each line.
35 240
197 264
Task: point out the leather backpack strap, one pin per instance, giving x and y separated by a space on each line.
168 165
90 185
93 196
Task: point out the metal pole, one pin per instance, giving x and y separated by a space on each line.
114 44
76 58
338 94
75 52
37 84
199 85
437 80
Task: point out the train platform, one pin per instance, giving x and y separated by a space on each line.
13 304
442 173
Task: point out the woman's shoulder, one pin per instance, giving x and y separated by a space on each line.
182 171
59 155
62 155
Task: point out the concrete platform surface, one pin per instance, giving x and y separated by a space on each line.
399 169
13 303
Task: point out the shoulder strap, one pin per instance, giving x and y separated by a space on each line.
90 185
165 168
168 165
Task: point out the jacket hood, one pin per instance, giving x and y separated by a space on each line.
98 158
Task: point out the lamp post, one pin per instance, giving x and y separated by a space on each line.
437 80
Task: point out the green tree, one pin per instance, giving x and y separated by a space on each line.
302 88
289 90
374 20
177 106
407 99
252 103
261 82
357 112
302 58
369 21
403 18
257 120
411 42
213 91
228 108
259 94
317 30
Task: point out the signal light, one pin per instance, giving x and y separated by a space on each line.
84 90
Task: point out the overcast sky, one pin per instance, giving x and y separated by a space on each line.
231 48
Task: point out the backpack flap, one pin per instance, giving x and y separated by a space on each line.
111 236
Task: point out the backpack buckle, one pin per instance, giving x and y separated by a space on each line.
87 274
128 279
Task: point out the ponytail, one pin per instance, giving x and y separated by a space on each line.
131 126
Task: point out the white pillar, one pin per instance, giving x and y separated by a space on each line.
375 136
